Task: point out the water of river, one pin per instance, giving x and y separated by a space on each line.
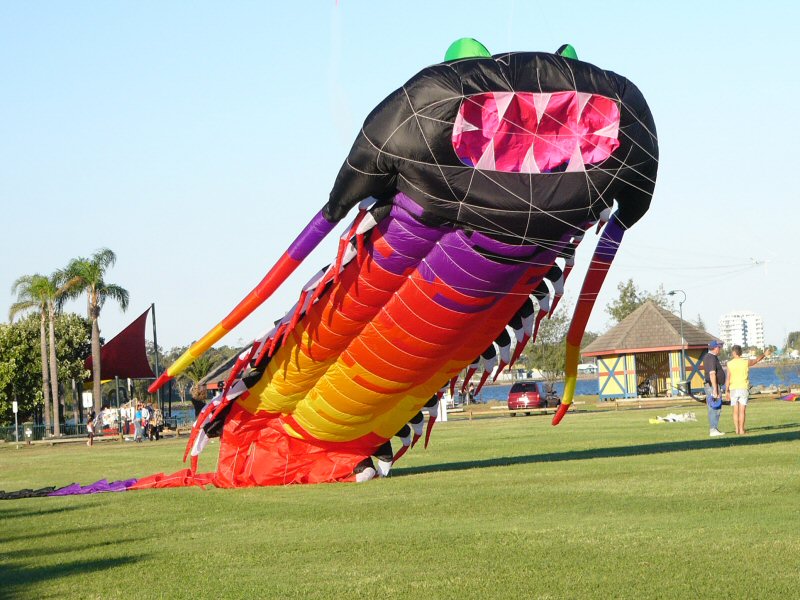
762 376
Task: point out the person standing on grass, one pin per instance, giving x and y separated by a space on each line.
94 423
156 423
90 427
738 377
714 384
137 420
145 421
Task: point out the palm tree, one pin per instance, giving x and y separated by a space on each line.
58 293
196 372
29 290
47 296
90 273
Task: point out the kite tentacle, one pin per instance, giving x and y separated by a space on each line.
316 230
604 254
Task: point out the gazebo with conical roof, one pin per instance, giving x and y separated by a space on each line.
643 351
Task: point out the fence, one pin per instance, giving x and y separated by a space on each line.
39 432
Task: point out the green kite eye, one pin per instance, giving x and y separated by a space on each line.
466 48
567 51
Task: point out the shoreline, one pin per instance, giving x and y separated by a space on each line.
581 377
776 363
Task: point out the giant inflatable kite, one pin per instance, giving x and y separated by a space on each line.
474 182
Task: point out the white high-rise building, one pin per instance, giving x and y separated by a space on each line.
742 327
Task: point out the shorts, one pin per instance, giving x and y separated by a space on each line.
739 397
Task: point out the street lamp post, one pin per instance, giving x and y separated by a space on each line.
683 342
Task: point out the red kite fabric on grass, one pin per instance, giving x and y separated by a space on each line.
125 355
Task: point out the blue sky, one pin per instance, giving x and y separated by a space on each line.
196 139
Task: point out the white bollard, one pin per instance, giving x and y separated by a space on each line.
442 414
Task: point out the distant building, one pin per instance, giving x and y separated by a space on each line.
744 328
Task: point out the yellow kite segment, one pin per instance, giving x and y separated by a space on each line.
197 350
570 373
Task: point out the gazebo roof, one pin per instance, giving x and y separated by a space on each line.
647 329
220 371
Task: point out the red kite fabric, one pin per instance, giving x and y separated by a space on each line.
125 355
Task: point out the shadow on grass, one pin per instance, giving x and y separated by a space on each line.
773 427
17 577
39 550
7 539
36 508
611 452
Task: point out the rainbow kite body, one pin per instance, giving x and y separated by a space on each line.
475 181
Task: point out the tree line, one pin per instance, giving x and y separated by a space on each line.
34 377
62 338
548 354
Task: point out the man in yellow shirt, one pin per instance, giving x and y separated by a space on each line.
738 378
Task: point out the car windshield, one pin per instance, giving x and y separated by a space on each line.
527 388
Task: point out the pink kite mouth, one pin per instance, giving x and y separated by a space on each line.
526 132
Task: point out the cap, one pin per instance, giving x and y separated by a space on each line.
714 344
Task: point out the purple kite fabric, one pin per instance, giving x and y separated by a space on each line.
95 488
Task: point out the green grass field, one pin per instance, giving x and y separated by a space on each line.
605 505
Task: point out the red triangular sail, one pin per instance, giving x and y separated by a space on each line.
125 355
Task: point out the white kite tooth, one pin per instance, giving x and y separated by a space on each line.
314 281
486 162
502 101
350 252
544 304
367 223
365 475
540 102
576 163
384 466
527 323
505 353
583 100
367 203
611 130
558 285
432 410
529 162
200 442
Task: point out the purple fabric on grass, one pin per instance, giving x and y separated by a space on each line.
94 488
67 490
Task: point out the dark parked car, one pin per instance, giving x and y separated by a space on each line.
527 395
